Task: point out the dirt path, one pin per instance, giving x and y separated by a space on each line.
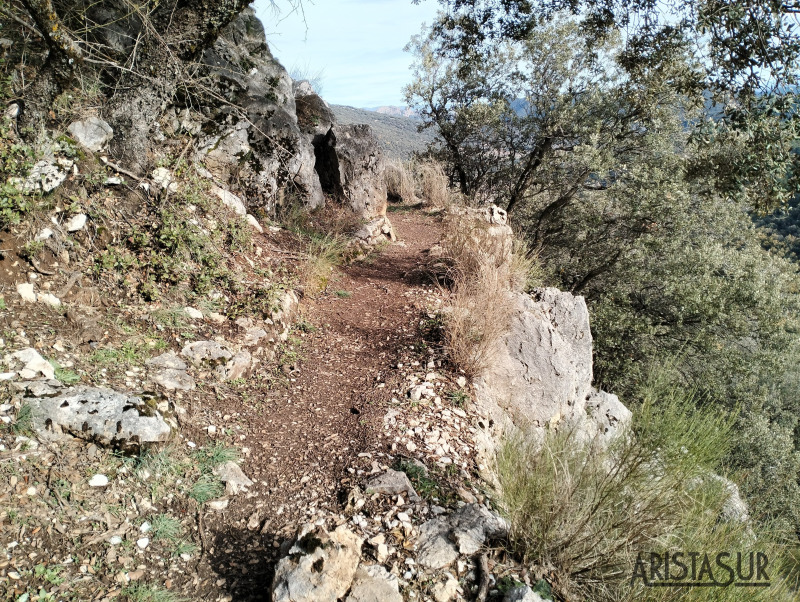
303 437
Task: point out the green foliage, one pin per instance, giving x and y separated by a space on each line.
67 377
16 161
636 195
165 527
206 488
208 458
148 593
23 422
585 509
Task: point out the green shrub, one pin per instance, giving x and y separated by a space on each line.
584 511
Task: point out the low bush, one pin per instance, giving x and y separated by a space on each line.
434 184
580 512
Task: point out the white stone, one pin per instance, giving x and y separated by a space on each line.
251 219
218 504
230 200
194 314
49 299
98 480
115 540
76 222
45 234
25 290
142 543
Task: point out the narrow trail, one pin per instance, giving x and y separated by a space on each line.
303 437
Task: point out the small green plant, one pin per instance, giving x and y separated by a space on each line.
323 254
166 527
67 377
51 575
206 488
23 423
208 458
344 294
420 479
2 304
149 593
303 325
458 398
31 249
184 547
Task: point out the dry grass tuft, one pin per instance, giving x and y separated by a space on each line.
434 184
400 183
479 315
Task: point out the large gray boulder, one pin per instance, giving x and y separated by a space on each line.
351 168
262 150
542 370
100 415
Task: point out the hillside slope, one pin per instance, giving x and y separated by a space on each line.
398 136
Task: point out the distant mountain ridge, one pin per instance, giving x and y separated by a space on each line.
394 111
397 134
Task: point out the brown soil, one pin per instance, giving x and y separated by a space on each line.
304 436
309 426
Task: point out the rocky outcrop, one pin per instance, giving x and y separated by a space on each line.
351 169
262 147
443 539
543 366
319 567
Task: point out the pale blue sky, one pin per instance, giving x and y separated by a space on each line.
358 43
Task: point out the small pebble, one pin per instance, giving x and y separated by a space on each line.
143 543
98 480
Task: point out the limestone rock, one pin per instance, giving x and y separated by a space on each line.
76 222
238 366
169 371
92 133
314 115
33 364
351 168
320 566
543 367
26 291
378 230
279 155
207 353
45 176
522 594
100 415
442 539
392 482
233 476
446 590
230 200
373 583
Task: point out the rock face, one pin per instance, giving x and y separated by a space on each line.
320 566
543 367
266 152
351 168
100 415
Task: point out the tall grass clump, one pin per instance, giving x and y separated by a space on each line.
400 184
478 316
581 511
322 255
434 184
